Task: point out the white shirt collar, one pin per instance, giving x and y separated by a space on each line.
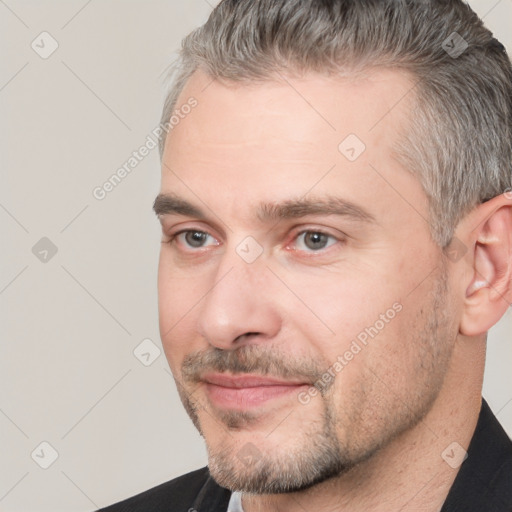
235 502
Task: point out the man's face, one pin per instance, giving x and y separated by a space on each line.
303 303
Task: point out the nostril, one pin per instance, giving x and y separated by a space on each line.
246 335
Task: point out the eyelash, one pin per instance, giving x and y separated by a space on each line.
174 236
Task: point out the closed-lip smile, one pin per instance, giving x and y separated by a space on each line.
241 392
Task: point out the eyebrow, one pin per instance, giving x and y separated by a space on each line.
171 204
297 208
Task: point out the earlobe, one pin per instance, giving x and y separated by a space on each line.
489 292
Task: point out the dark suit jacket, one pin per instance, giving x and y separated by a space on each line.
483 483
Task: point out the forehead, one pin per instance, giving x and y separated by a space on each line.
369 103
279 138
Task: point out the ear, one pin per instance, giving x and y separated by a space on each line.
489 292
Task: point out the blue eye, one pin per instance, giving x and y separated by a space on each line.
314 240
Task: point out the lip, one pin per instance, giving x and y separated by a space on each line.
242 392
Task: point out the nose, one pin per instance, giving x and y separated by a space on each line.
239 308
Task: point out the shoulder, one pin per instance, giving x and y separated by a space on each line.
178 495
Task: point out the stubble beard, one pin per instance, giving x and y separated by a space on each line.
319 452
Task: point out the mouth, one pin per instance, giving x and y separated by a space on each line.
243 392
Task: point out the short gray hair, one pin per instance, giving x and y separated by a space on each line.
459 142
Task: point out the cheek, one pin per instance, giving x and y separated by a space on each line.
178 305
362 326
178 291
179 338
344 307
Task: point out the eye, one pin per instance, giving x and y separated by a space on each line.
193 238
314 241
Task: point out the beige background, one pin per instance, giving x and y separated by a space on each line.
69 325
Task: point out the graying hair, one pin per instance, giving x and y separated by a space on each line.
459 142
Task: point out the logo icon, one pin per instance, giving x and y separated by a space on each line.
147 352
44 455
249 250
456 250
352 147
249 454
454 455
454 45
44 45
44 250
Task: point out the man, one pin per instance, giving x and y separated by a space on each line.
337 241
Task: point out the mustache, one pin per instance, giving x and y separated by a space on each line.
253 359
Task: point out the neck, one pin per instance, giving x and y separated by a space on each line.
408 474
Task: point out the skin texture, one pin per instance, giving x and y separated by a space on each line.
372 439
